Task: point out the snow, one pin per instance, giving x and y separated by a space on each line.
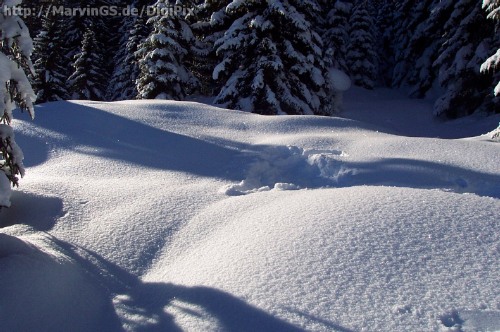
495 134
489 65
163 215
5 190
339 80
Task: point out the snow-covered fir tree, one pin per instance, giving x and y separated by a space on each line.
87 80
69 43
49 79
34 22
15 91
109 32
209 23
272 60
335 32
133 32
442 42
384 20
121 86
74 28
361 55
492 64
408 15
164 56
423 47
468 39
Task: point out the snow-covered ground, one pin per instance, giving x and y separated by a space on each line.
160 215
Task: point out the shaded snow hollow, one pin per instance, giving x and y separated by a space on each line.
158 215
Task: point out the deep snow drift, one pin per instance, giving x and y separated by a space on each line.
158 215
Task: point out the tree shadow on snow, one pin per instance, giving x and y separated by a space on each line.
330 325
94 132
157 300
127 303
41 290
42 213
412 173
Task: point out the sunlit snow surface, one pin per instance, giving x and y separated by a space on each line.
158 215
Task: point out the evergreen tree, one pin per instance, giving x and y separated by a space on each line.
424 44
15 91
34 21
133 31
109 32
164 57
209 23
493 62
408 16
335 32
87 80
74 28
272 59
49 78
386 34
468 36
70 42
445 41
361 55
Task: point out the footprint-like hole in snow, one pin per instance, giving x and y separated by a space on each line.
472 320
452 319
291 168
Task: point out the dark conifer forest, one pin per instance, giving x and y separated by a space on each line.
270 57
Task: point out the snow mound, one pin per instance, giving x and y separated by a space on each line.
359 258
